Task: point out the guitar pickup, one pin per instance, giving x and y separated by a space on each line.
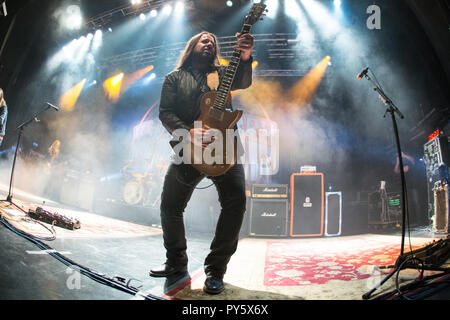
216 114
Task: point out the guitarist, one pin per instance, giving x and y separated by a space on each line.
179 108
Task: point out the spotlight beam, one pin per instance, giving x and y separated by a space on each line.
304 91
69 99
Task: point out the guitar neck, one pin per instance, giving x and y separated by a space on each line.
230 73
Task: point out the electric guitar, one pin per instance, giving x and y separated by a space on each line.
216 114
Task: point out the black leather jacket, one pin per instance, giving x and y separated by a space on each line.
182 91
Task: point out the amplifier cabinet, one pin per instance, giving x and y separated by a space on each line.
441 205
268 217
270 191
77 192
307 205
333 213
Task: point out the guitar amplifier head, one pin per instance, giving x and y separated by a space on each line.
270 191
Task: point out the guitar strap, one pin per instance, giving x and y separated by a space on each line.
212 80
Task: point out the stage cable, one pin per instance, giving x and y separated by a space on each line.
28 219
418 279
116 282
195 185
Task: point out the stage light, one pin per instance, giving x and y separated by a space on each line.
142 16
66 54
337 3
83 50
135 2
112 86
229 3
70 98
149 78
256 1
153 13
304 91
167 9
291 8
179 7
131 79
318 13
93 83
98 40
72 18
117 79
272 8
224 62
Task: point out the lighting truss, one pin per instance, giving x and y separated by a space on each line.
274 51
106 18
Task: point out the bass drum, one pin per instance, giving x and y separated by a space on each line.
133 192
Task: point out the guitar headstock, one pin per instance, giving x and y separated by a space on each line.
255 13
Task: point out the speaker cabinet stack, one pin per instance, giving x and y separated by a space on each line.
307 205
269 210
442 213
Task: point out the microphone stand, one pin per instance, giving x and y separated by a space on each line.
21 128
392 109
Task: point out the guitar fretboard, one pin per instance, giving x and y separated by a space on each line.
230 73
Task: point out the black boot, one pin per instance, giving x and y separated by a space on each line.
213 285
167 270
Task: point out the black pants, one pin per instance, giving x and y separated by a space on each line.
179 184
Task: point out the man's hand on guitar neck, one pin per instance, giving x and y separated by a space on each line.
202 136
245 44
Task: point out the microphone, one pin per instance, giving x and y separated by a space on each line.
52 106
362 74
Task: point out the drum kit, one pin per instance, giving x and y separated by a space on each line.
144 189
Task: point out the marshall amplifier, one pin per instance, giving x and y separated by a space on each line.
268 217
270 191
307 205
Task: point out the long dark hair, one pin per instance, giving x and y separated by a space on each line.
185 56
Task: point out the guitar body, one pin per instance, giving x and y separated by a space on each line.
221 120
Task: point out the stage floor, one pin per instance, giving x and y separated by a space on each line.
322 268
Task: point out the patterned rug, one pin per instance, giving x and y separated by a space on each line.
334 268
316 263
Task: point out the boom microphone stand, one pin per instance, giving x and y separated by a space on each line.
392 109
21 128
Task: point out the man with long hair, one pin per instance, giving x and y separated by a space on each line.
179 109
3 116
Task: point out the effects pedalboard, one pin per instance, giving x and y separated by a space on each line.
54 219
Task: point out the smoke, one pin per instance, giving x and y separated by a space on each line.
343 118
343 125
